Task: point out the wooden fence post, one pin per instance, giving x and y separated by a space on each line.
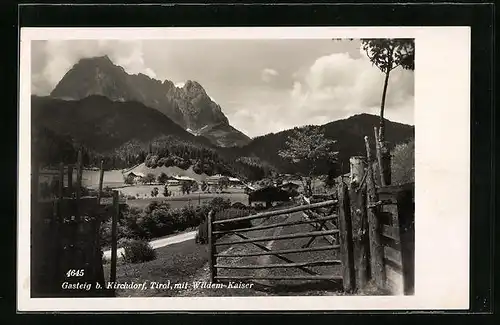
97 243
114 239
383 158
101 179
345 228
357 198
406 220
211 247
78 183
376 248
60 192
70 180
57 229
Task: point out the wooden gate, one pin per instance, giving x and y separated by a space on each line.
227 261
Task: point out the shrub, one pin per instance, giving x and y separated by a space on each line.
403 163
162 178
202 234
137 251
219 203
238 205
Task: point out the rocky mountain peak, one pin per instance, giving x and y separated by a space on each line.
189 106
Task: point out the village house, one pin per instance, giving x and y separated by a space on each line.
289 187
214 180
233 181
182 179
136 176
268 195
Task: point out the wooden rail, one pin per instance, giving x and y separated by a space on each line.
278 212
283 265
317 221
275 225
297 277
268 238
283 251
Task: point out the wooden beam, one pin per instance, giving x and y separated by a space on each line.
305 269
70 180
60 193
211 247
357 198
390 232
279 212
114 238
303 277
291 236
283 265
101 179
379 157
346 244
274 225
374 233
78 183
283 251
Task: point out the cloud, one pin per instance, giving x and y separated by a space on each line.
267 75
338 86
52 59
332 87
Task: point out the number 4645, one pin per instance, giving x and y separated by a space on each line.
71 273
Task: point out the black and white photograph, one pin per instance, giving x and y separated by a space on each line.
190 167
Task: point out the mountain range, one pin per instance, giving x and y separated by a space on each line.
98 105
189 106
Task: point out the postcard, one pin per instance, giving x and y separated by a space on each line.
244 169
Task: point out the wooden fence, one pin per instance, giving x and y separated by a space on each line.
65 240
319 214
371 227
396 216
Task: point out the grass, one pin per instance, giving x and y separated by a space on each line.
193 199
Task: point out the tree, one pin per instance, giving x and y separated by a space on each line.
308 146
149 178
223 183
186 187
163 178
129 179
194 186
387 55
166 192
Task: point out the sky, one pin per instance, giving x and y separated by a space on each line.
262 86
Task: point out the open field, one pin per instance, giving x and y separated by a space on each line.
187 199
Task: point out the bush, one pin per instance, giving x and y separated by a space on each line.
137 251
403 163
238 205
202 234
219 203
